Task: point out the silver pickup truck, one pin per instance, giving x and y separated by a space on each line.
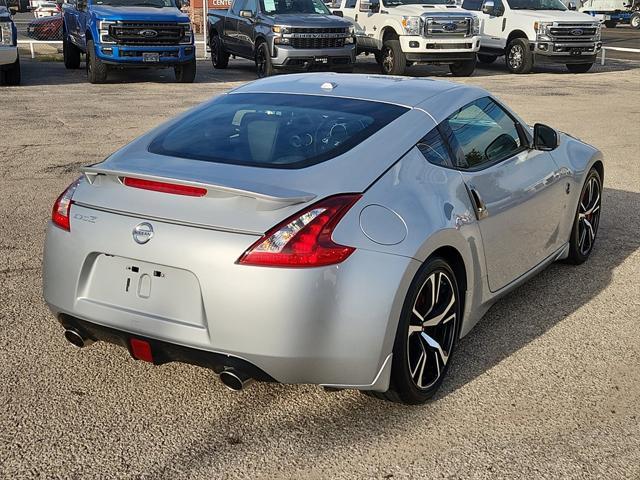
282 34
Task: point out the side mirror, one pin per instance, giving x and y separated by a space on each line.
246 14
338 13
571 6
488 7
545 138
365 5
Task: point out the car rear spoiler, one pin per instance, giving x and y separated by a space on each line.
276 196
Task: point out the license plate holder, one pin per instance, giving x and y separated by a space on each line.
321 60
150 57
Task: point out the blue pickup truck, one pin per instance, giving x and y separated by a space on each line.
9 60
128 34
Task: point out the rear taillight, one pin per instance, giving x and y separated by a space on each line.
164 187
304 239
62 207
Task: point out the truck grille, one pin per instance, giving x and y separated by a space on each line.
447 26
137 33
300 37
572 32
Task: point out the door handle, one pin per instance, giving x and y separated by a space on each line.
478 204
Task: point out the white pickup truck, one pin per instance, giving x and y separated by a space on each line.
9 61
404 32
527 32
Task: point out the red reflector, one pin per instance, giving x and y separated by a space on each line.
141 350
164 187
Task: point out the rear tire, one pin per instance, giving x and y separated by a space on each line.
264 68
414 378
11 74
70 53
579 67
96 69
487 59
635 20
219 58
610 24
393 59
186 73
463 69
518 56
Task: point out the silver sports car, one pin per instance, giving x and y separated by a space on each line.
341 230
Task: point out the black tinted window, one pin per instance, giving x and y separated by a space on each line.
472 5
482 132
350 4
434 149
274 130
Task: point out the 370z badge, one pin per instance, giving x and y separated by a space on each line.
143 232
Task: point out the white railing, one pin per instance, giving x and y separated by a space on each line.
603 55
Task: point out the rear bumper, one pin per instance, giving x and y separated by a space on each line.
131 56
330 325
8 55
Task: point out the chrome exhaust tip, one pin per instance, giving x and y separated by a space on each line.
76 338
234 379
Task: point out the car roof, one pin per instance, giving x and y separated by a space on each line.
405 91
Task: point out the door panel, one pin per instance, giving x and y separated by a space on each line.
492 27
246 27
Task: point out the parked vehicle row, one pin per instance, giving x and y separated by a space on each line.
9 57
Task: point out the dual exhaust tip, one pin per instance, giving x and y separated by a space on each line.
231 378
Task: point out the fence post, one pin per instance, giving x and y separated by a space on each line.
205 8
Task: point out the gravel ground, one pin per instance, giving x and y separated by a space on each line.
546 386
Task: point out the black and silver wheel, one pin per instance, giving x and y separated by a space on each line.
264 68
464 68
186 73
219 58
587 220
70 53
427 334
96 69
635 20
392 58
518 56
610 24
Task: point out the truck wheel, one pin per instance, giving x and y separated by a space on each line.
11 74
394 61
96 70
487 58
219 58
635 20
463 69
579 67
186 73
610 24
264 68
519 57
70 53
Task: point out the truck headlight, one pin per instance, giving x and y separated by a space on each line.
475 26
351 39
6 33
280 29
103 30
411 25
541 30
187 33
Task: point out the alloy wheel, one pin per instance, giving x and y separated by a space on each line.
589 216
432 329
515 56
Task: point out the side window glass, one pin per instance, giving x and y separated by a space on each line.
251 5
350 4
237 6
433 148
475 5
482 132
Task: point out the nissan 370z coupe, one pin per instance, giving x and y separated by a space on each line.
346 233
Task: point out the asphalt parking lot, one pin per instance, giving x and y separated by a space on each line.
546 386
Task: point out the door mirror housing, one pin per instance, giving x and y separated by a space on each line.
571 6
369 6
545 138
338 13
246 14
489 7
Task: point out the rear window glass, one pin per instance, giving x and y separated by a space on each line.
274 130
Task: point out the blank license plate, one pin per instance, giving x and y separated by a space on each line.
150 57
